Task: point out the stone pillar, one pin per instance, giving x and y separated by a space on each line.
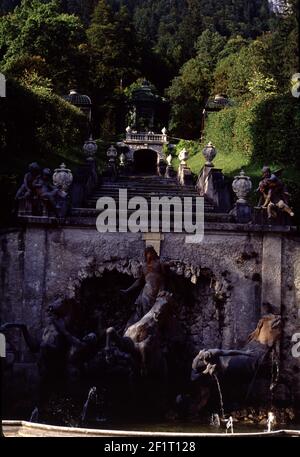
154 239
271 272
211 184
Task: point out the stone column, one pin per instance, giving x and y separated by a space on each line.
271 271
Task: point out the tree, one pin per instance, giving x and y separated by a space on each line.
113 47
115 62
187 95
262 65
209 46
39 29
82 8
189 91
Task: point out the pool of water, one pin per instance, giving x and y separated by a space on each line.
194 427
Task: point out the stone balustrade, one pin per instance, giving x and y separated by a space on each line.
146 137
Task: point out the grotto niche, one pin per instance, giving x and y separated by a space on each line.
94 369
118 388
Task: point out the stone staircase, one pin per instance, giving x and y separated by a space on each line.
146 187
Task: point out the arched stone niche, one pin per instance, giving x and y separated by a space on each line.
203 300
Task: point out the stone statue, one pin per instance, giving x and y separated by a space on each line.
27 188
60 353
274 194
237 370
151 281
169 160
45 190
147 343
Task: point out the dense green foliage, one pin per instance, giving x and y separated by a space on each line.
189 49
260 131
25 117
39 30
35 126
264 129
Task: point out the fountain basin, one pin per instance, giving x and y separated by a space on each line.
28 429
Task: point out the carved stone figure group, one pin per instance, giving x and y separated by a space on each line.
38 191
274 194
150 369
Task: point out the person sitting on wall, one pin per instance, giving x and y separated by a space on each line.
273 193
27 188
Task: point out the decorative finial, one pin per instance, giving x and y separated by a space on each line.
209 153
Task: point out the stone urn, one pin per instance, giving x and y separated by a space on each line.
242 186
90 148
183 157
122 159
62 178
209 153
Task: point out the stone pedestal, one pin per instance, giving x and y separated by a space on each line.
170 172
184 175
161 168
260 217
242 213
154 240
212 184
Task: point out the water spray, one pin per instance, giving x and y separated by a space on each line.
270 421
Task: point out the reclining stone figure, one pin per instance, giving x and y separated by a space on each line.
237 370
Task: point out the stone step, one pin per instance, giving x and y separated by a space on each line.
142 178
146 187
129 182
124 185
149 194
207 206
93 212
146 195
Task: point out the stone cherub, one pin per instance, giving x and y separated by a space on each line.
274 194
45 190
27 189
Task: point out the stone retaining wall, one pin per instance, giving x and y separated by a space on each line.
235 270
